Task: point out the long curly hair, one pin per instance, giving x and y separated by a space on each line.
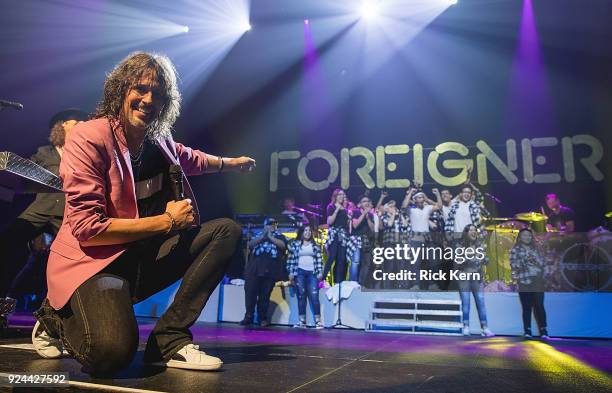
57 137
126 75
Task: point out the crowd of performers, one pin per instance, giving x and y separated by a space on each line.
353 230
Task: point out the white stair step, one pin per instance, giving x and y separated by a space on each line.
410 323
412 312
413 332
419 301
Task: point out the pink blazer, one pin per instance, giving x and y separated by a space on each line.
99 184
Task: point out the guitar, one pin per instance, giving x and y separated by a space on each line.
24 176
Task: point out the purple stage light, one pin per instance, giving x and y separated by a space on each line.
317 103
530 100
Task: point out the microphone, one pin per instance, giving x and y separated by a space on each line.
14 105
176 182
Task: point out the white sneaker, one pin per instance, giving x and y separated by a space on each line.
45 345
300 325
466 330
486 332
191 358
319 325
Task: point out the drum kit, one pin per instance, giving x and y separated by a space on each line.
501 237
533 220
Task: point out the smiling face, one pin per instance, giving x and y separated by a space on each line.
446 196
340 197
365 203
472 233
466 194
143 103
307 235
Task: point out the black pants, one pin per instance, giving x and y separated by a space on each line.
98 326
257 291
533 301
13 241
336 253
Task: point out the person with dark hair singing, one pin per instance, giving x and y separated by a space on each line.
305 268
127 234
528 270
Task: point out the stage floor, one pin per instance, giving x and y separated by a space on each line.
282 359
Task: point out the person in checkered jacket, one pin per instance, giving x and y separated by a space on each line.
305 268
338 236
364 228
466 209
528 267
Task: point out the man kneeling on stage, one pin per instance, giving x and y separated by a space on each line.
124 238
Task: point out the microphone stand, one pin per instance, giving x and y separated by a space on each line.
339 323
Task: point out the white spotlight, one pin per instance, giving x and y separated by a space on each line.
369 9
243 27
452 2
185 29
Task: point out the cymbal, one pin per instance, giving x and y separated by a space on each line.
531 216
497 219
500 229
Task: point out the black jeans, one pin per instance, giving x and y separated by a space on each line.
257 291
98 326
336 253
25 228
533 301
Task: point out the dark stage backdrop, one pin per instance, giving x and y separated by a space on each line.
525 98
